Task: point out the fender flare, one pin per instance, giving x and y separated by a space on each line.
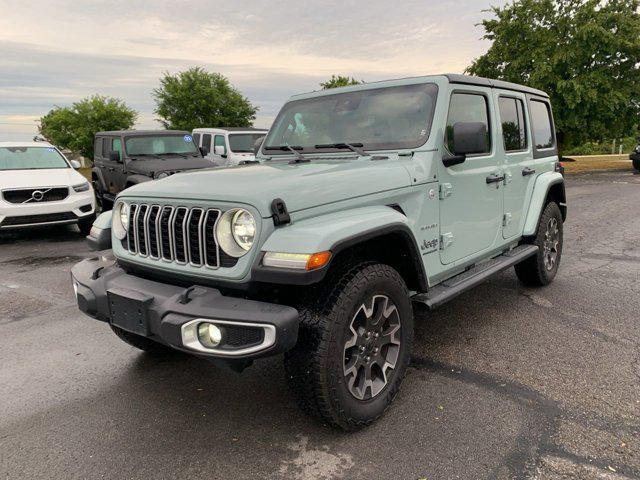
100 176
335 232
542 188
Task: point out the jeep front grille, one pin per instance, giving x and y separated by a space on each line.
182 235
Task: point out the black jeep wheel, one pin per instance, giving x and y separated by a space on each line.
85 225
541 269
99 194
142 343
354 346
636 163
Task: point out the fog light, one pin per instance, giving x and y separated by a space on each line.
209 335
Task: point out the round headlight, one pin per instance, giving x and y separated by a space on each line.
243 227
236 232
120 220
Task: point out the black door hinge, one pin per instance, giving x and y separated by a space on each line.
279 212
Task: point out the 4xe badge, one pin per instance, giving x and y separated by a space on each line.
429 246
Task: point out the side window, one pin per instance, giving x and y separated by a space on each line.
97 148
219 142
514 132
106 146
467 107
196 139
541 124
206 141
116 145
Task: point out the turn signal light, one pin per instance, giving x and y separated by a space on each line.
318 260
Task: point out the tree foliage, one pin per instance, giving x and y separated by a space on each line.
584 53
340 81
197 98
74 127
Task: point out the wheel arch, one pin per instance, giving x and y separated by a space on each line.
549 186
367 233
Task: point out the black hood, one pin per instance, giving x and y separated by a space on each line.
168 163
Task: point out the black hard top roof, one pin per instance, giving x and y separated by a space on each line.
132 133
488 82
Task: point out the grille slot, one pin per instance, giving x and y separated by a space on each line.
182 235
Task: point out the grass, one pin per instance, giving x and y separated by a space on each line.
591 163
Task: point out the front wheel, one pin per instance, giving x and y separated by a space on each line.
354 346
541 268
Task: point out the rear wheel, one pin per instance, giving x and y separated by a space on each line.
354 346
142 343
100 200
636 163
541 269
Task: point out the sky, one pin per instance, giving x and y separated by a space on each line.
57 52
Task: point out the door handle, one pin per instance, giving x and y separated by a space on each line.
495 178
528 171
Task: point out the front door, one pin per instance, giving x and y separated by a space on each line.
519 167
470 196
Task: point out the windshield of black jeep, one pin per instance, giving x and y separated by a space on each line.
243 142
30 158
378 119
160 145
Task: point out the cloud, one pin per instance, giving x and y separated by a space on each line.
53 53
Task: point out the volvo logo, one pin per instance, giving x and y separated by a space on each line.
37 195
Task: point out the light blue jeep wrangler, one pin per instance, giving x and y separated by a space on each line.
363 202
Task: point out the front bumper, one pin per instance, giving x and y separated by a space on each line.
76 207
171 312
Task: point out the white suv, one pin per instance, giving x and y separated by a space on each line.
39 186
228 146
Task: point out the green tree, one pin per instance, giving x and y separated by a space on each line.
197 98
74 127
340 81
585 54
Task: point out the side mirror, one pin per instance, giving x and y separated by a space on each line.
257 144
468 138
204 151
220 150
114 156
75 164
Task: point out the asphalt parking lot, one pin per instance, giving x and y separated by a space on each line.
507 382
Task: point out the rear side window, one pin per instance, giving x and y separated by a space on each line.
97 148
106 146
541 124
196 139
206 141
514 132
467 107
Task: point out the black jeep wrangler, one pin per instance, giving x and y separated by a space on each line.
127 157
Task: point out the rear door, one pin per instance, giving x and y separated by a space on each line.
470 207
519 168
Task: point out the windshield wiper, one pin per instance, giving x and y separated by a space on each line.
292 148
354 147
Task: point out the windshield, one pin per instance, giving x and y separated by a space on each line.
244 142
380 119
30 158
160 145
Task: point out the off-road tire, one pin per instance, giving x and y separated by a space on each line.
534 271
314 368
85 225
636 164
142 343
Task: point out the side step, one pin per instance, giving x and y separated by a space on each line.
468 279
